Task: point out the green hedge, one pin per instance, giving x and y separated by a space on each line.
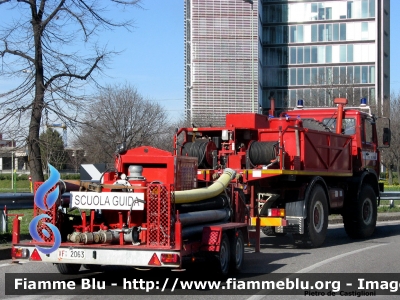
19 177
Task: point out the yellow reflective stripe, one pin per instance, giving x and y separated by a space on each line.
267 221
293 172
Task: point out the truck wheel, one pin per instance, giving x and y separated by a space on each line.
316 223
224 256
360 217
237 252
68 269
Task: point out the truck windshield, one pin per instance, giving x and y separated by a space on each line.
348 125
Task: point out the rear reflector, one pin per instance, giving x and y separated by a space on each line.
170 258
154 261
276 212
36 256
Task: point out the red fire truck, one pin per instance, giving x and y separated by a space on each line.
283 173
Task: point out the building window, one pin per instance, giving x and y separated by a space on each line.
299 55
300 76
335 75
349 53
342 53
314 54
371 8
349 9
364 9
329 32
307 55
371 74
335 32
328 54
292 55
314 33
307 74
314 75
357 78
293 34
364 74
314 11
321 75
364 31
343 76
321 33
300 33
343 31
350 74
293 76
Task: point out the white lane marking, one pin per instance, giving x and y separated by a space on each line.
321 263
327 261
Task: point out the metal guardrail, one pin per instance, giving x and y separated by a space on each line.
17 201
391 196
10 201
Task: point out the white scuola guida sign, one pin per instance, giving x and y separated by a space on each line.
112 200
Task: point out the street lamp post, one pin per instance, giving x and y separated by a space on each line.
12 170
252 55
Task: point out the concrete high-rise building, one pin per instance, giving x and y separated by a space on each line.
240 53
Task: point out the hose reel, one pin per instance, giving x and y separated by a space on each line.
202 149
262 153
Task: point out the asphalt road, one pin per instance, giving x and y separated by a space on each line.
339 255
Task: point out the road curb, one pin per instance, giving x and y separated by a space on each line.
5 252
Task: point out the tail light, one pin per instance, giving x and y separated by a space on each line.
170 258
19 252
276 212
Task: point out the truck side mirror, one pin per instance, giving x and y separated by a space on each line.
386 137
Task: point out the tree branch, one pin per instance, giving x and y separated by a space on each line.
53 14
49 82
78 20
15 52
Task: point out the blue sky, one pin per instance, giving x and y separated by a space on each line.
152 60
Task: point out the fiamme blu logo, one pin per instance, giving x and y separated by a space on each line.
45 203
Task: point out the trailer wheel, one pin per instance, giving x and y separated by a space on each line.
360 217
316 223
68 269
237 251
224 256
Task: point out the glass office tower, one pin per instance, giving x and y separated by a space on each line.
311 50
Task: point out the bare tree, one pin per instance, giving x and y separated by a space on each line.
52 149
391 156
120 114
41 59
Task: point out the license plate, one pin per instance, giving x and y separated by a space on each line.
71 254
